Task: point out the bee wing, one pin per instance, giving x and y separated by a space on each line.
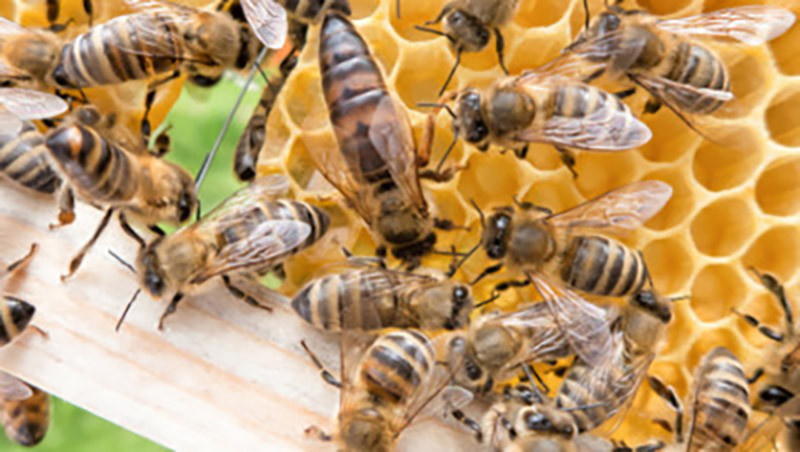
261 190
268 21
762 436
752 24
390 133
352 345
12 388
31 104
10 124
585 327
610 127
545 338
624 208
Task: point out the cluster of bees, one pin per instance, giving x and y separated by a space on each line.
411 344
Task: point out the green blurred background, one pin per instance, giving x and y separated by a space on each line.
196 121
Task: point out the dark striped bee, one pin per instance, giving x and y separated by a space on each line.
665 58
376 164
467 25
562 247
388 381
28 57
24 411
720 406
250 232
23 159
252 140
15 314
384 298
542 107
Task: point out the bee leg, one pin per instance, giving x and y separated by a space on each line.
163 143
522 152
568 158
126 227
452 72
317 433
499 47
626 93
469 423
152 88
89 9
76 261
173 305
447 225
668 394
441 15
239 293
381 252
768 332
771 284
652 106
586 14
650 447
157 230
486 272
505 285
594 75
66 208
326 375
23 261
757 374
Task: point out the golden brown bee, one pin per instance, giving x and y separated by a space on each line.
367 297
23 159
387 382
15 314
28 57
468 24
375 165
720 405
665 58
540 107
252 140
250 232
135 183
24 410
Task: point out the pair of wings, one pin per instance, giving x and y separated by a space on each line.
612 126
264 242
390 134
20 104
12 388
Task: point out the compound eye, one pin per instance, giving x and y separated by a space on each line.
473 372
459 293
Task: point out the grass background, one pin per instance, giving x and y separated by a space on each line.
196 120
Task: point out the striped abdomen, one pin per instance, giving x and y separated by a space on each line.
696 66
99 170
353 88
581 389
722 403
311 11
132 47
396 364
23 159
603 266
26 421
347 300
15 315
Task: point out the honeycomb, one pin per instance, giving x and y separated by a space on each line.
731 208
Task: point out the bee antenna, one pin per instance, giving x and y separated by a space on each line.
213 152
675 298
590 406
480 213
436 32
495 296
121 260
531 374
438 105
127 308
456 265
586 10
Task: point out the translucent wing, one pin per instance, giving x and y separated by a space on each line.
10 28
624 208
352 346
611 126
624 380
585 327
762 436
30 104
390 133
268 21
752 24
12 388
545 339
10 124
262 189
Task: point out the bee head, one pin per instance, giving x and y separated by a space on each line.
433 312
27 434
496 236
540 420
470 122
21 314
653 304
364 429
467 32
150 269
773 396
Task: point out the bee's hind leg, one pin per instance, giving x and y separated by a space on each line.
568 157
244 296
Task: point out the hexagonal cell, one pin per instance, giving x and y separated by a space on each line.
382 45
670 264
748 83
417 13
541 13
672 374
784 51
723 227
520 58
277 137
663 8
544 157
599 172
307 112
778 188
716 290
710 339
446 205
719 167
679 205
782 117
442 138
492 179
776 251
671 137
417 83
299 164
767 310
364 8
553 194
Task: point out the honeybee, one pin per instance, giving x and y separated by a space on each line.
250 232
387 382
384 298
375 165
467 24
23 159
28 57
18 105
665 57
24 410
15 314
720 405
539 107
254 134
